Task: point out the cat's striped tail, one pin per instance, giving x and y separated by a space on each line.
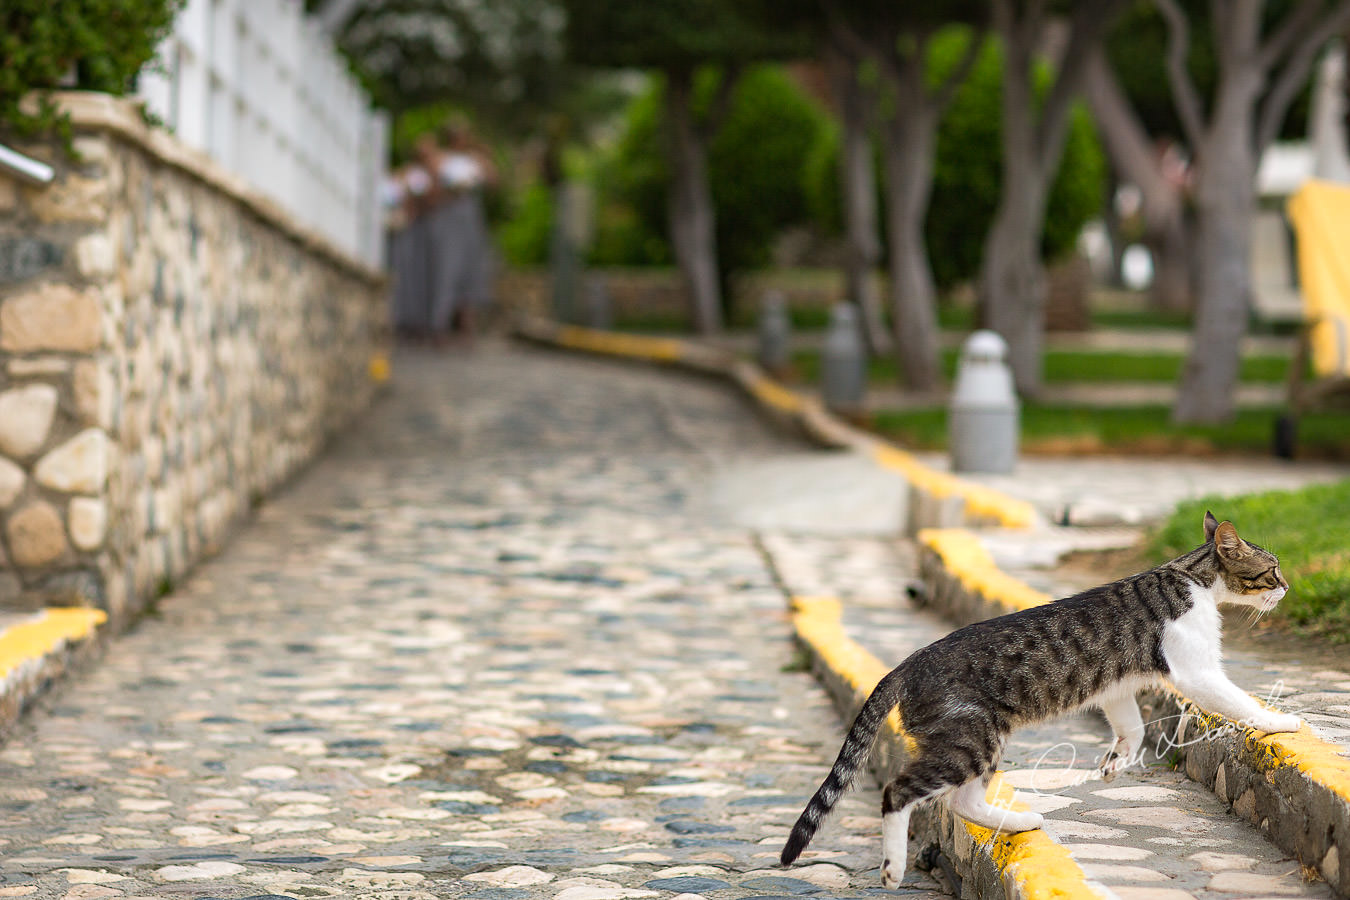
852 757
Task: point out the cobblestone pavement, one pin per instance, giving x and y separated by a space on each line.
501 643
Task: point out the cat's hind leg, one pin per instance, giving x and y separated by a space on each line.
968 801
919 780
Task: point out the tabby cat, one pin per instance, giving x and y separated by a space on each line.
962 695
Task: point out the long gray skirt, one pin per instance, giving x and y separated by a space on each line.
408 259
461 259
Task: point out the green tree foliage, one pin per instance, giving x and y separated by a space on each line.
967 174
755 166
96 45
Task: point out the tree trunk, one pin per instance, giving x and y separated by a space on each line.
911 135
1012 278
862 250
1136 160
1012 285
1225 176
692 223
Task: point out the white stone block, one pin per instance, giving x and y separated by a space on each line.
95 256
79 466
88 522
26 418
12 480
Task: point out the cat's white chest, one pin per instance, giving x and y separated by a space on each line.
1194 640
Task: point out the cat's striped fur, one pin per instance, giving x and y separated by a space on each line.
961 696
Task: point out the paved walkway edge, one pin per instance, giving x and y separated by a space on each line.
938 499
36 651
1026 866
1294 787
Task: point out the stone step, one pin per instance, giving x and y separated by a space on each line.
37 647
1294 787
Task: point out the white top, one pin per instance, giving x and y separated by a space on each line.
460 170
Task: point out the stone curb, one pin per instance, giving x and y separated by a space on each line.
937 499
35 652
1026 865
1294 787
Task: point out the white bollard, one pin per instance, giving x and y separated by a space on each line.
774 333
983 415
843 362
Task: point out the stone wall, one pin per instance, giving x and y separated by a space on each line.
172 347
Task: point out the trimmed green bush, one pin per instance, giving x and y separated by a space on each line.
523 237
96 45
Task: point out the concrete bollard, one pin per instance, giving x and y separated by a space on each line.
982 421
599 309
844 363
774 334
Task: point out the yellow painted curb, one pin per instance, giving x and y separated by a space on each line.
31 641
981 502
615 344
1031 864
965 557
771 393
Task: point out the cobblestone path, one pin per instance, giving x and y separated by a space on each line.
501 643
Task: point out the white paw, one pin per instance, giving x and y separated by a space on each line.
891 874
1273 722
1012 822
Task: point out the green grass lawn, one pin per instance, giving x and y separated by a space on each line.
1309 531
1072 366
1139 429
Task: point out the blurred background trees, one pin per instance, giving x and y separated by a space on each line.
960 148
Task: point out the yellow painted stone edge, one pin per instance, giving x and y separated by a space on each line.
981 502
29 642
771 393
966 558
1031 864
616 344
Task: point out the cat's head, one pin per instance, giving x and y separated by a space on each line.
1248 575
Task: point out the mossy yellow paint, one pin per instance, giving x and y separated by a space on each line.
616 344
981 502
30 641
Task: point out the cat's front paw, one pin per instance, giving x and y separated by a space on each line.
1273 722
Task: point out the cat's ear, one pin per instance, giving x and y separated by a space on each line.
1230 545
1211 523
